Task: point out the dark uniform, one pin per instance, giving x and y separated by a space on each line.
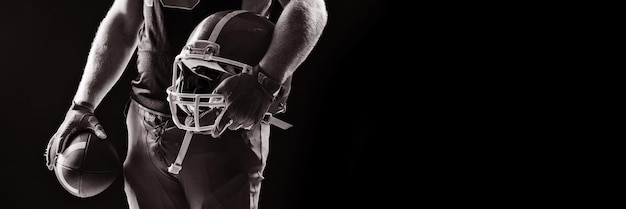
217 173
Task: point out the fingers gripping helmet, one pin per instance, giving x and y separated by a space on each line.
223 44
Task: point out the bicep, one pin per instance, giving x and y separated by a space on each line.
127 13
305 6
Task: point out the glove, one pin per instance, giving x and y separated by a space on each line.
80 117
247 98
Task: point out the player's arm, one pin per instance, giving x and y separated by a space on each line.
297 31
111 50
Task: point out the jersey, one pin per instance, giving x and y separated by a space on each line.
167 25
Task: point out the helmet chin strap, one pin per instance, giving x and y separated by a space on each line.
175 167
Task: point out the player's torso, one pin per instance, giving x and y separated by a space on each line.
167 25
173 20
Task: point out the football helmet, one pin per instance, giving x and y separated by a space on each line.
223 44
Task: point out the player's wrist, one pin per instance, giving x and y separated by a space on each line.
82 106
269 84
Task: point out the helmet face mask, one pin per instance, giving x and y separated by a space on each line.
197 72
222 45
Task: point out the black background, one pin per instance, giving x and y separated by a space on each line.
324 161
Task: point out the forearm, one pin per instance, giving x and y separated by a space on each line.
111 50
296 33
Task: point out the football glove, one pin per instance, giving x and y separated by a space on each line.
80 117
247 98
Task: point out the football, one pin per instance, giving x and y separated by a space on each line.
88 165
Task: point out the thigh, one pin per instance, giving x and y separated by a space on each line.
213 175
222 173
216 172
147 185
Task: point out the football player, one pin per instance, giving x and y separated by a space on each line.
218 97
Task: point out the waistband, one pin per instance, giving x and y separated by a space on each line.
134 105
